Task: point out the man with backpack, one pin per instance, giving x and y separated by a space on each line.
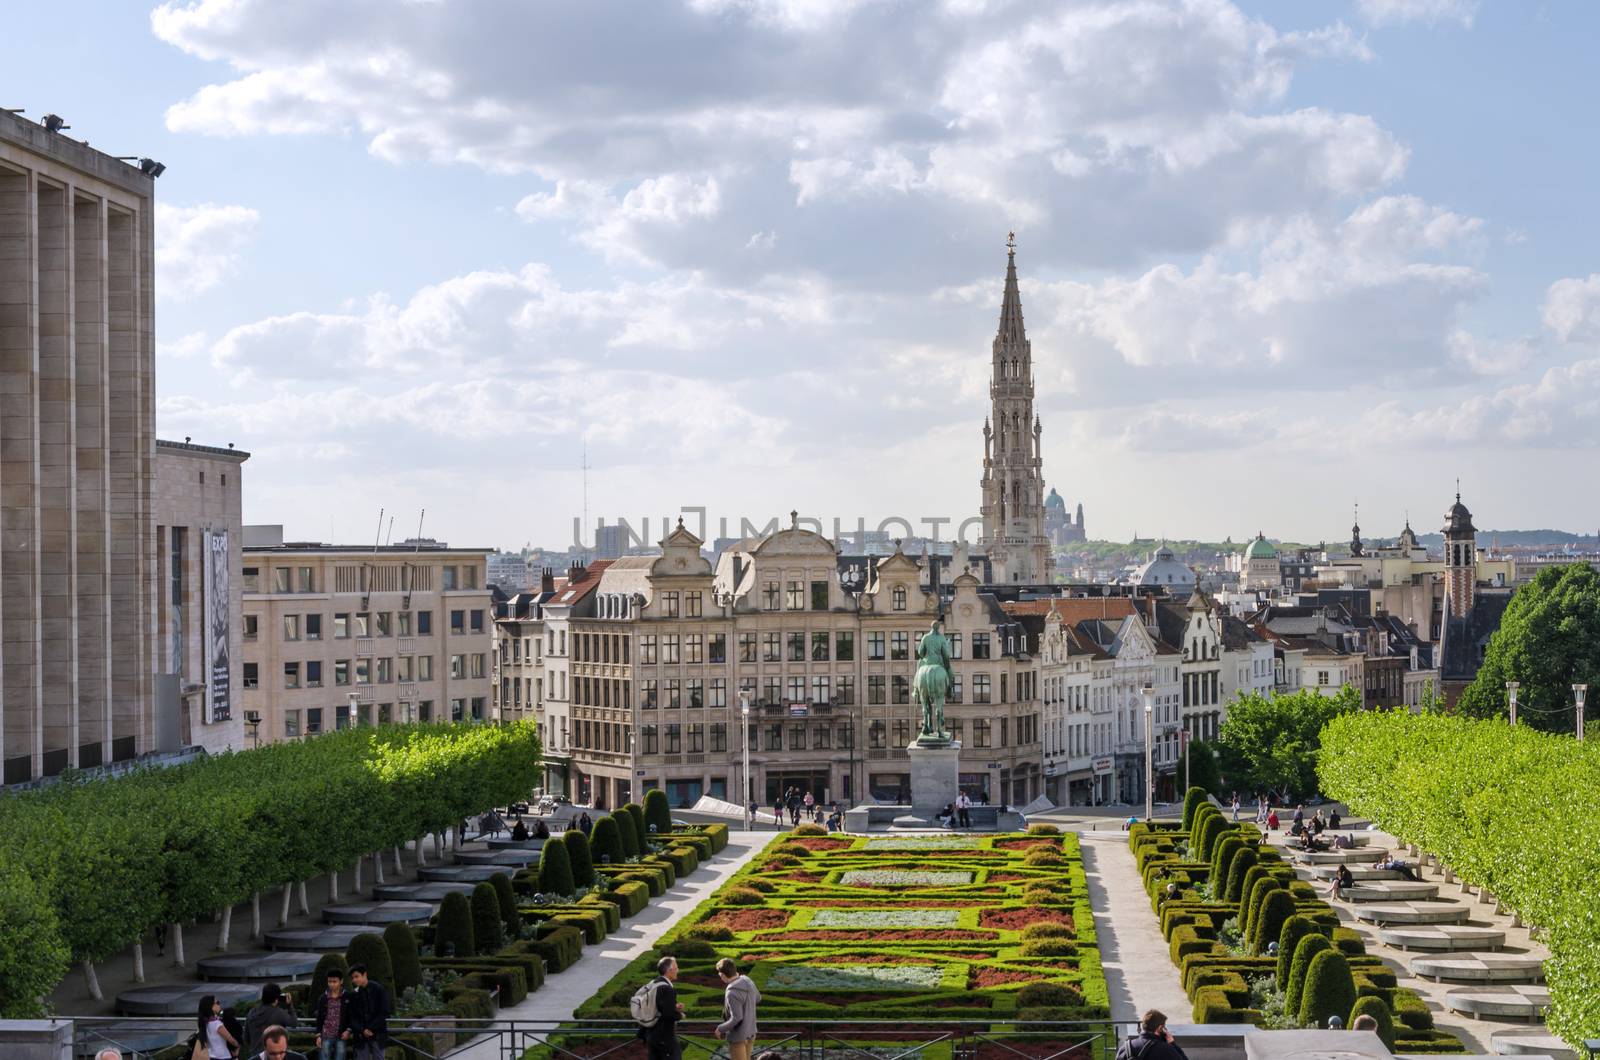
1154 1042
656 1009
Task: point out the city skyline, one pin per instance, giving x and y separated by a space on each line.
1270 266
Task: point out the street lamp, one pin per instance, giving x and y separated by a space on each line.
744 712
1578 692
1149 693
1511 696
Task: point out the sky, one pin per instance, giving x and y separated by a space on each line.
746 256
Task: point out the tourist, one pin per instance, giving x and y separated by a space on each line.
1272 820
1168 895
275 1045
810 804
1394 864
739 1000
1342 878
1317 823
1300 815
1344 842
540 830
661 1036
1333 821
332 1019
519 831
1154 1042
369 1014
777 811
221 1042
1132 820
108 1053
963 810
585 825
270 1013
1236 806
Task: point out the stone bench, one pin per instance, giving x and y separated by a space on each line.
460 873
1529 1044
1359 856
1412 913
518 858
1511 1002
1360 872
1391 891
1440 938
258 966
1480 968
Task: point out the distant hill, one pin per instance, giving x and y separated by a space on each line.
1521 538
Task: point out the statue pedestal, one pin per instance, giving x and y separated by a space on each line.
935 779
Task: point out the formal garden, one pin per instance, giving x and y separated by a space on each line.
1254 944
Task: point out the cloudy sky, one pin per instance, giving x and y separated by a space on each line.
1277 258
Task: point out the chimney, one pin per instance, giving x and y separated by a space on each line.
547 580
574 572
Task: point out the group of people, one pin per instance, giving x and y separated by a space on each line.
657 1010
348 1025
958 812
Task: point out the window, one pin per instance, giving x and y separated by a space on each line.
719 692
797 647
771 647
252 626
876 689
794 596
477 701
381 626
647 739
408 669
425 713
821 688
363 671
252 675
747 647
458 623
674 692
479 664
797 737
819 595
717 648
846 735
775 736
291 627
291 724
691 604
304 583
448 582
469 580
980 732
980 688
697 691
291 675
647 693
980 645
797 688
647 648
402 621
674 738
458 666
821 736
719 736
458 707
313 720
874 647
313 627
252 579
877 735
424 668
341 672
955 689
281 579
771 689
955 645
899 645
669 605
844 646
899 596
363 627
902 688
341 625
669 648
845 694
769 596
1322 677
424 623
902 732
693 647
819 647
697 738
314 674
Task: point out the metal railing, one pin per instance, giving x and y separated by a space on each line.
443 1038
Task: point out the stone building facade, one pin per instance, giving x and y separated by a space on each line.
77 451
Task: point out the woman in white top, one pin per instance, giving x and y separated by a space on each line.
220 1043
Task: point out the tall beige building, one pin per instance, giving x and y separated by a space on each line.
77 450
390 634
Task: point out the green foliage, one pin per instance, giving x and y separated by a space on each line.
401 942
656 810
509 917
1033 829
369 949
1222 862
1329 990
33 956
1204 771
1193 799
1211 829
1267 924
1304 952
328 962
1548 640
627 833
1294 929
1244 859
1483 797
1250 908
641 831
151 837
1270 742
555 869
488 930
605 843
578 857
1372 1005
452 928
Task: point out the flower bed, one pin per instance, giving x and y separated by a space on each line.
1017 919
887 918
856 977
750 919
904 878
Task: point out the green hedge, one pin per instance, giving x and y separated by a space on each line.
369 949
605 844
1484 796
630 896
657 814
405 963
555 869
578 858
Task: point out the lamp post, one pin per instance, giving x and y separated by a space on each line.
1511 698
1578 693
1149 693
744 713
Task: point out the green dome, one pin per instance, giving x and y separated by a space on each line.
1054 500
1261 548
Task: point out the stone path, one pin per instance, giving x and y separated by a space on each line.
565 991
1138 966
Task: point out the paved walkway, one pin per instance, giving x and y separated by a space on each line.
565 991
1139 971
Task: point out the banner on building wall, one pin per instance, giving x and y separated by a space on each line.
219 680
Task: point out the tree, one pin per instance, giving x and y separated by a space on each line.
1371 1005
627 833
402 944
488 931
452 928
1548 640
1330 989
1200 760
33 958
657 813
605 842
369 949
555 869
1270 742
578 854
640 831
510 915
1193 799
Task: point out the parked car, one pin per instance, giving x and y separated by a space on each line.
551 803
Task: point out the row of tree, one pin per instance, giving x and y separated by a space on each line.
90 866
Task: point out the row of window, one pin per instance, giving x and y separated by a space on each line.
793 646
304 579
347 624
460 710
839 690
383 670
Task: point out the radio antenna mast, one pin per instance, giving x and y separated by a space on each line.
377 537
420 516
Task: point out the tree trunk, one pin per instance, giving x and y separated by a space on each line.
300 891
377 868
177 945
438 846
92 980
422 854
138 962
399 866
227 928
333 887
288 896
255 915
358 875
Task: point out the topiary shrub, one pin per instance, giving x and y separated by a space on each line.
1193 799
1047 995
369 949
328 962
1222 862
1252 905
809 829
1211 830
605 844
577 845
1039 858
403 957
1374 1007
555 870
792 850
1294 929
1043 829
1330 989
452 928
657 813
641 831
1049 948
692 948
1047 930
488 931
1267 926
1244 859
710 932
1307 948
509 916
627 833
741 896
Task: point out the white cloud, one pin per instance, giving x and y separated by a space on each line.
1572 309
198 246
1399 12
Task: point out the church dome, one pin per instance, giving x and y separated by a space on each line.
1261 548
1459 521
1054 500
1165 569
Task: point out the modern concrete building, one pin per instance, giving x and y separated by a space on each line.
199 598
394 633
77 452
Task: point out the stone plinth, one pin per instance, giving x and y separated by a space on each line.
935 778
36 1039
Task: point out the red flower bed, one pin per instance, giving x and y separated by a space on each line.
984 977
872 958
1017 919
1009 877
1027 844
803 877
882 935
816 842
750 919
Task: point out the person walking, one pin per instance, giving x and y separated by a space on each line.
276 1010
221 1043
369 1015
810 806
585 825
660 1035
332 1019
963 810
1236 806
1154 1041
739 1000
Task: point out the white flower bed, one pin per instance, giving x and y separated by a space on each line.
905 878
886 918
865 977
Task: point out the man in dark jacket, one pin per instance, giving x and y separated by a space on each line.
276 1010
1154 1042
369 1014
661 1037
